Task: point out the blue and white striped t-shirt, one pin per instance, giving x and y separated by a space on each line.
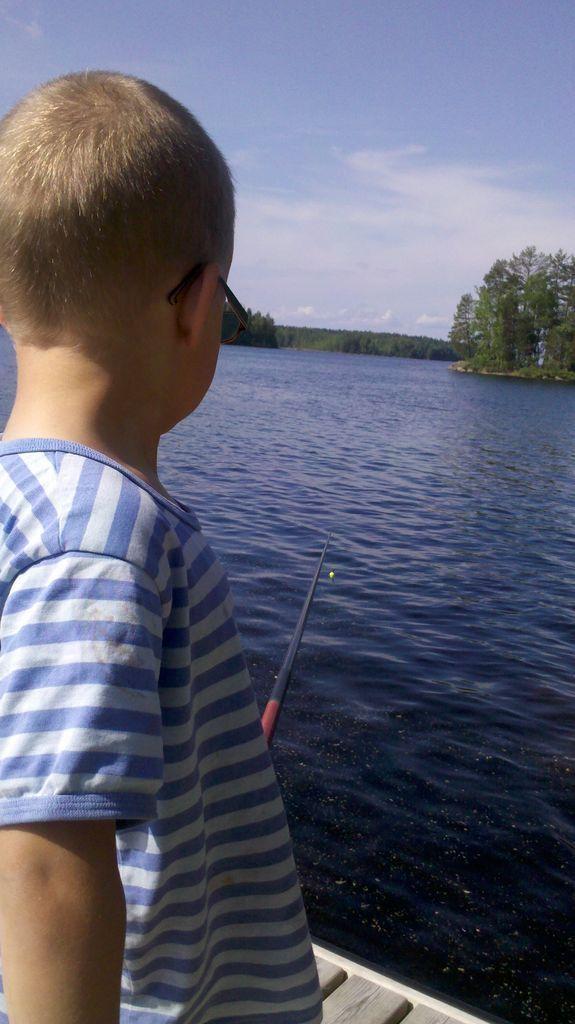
124 693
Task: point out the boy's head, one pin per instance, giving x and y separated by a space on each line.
110 190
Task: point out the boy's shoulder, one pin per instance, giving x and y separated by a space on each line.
54 502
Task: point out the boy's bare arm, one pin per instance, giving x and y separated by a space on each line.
62 922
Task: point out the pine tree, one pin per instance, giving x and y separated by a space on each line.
462 335
528 262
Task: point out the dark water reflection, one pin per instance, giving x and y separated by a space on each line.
425 752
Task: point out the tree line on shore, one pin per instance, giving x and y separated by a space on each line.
264 332
522 317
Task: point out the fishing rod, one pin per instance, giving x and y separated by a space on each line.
275 702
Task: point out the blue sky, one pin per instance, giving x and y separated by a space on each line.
385 152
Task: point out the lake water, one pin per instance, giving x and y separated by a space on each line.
425 750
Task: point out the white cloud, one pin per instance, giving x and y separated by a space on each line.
356 317
375 160
30 26
387 230
425 318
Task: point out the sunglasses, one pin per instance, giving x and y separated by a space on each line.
229 334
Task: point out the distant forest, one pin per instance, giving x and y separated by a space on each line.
522 317
264 332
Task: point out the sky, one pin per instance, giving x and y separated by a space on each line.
384 152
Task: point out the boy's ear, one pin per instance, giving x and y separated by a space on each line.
196 305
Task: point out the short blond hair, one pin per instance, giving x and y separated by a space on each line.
107 185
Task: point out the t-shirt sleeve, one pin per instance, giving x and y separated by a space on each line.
80 714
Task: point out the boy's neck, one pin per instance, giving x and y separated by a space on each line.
61 396
127 455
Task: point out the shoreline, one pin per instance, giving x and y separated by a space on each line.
533 373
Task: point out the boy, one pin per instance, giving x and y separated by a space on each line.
146 866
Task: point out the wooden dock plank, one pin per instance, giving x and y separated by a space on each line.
427 1015
330 975
360 1001
420 1007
